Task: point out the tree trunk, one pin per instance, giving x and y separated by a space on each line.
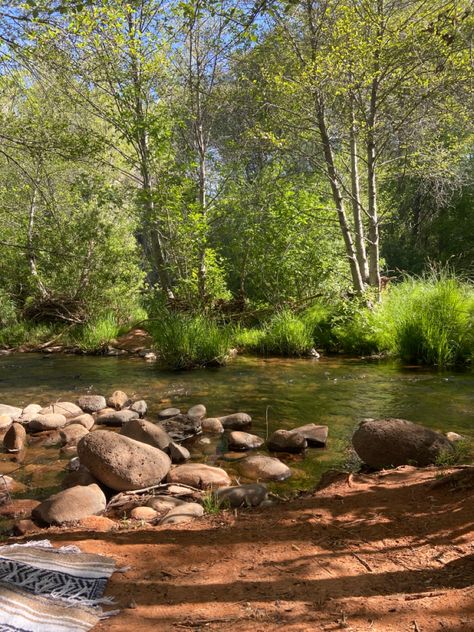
356 203
31 249
357 280
373 233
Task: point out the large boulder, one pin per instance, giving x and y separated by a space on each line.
146 432
286 441
382 443
49 421
236 421
315 435
264 468
239 440
71 504
199 475
68 409
15 438
10 411
117 417
92 403
122 463
118 400
250 495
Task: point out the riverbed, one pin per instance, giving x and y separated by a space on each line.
277 393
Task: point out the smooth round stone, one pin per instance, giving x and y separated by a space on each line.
183 513
117 417
29 412
236 421
68 409
92 403
15 438
167 413
287 441
148 514
5 422
315 435
118 400
50 421
163 504
10 411
199 475
140 407
85 420
239 440
212 425
71 504
199 411
178 453
264 468
251 495
71 434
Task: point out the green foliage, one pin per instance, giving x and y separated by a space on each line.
462 452
97 333
186 341
246 339
211 503
7 309
24 332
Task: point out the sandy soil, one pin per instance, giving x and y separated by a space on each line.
381 553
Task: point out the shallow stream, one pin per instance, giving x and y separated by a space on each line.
332 391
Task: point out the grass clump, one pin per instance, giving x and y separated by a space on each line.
25 332
186 341
286 335
462 452
97 333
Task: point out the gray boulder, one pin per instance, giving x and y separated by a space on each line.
71 504
50 421
287 441
92 403
199 475
122 463
264 468
250 495
239 440
146 432
68 409
10 411
382 443
15 438
140 407
236 421
117 417
118 400
315 435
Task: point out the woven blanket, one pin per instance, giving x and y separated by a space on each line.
43 589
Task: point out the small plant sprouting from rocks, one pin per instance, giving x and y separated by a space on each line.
211 503
462 452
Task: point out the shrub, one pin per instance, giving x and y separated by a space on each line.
97 333
188 341
287 335
248 339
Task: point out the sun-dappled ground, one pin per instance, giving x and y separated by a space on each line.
388 552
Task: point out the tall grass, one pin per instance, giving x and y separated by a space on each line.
96 334
184 341
25 332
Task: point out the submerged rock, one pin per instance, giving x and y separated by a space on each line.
181 427
287 441
239 440
71 504
236 421
92 403
265 468
146 432
315 435
382 443
250 495
199 475
122 463
15 438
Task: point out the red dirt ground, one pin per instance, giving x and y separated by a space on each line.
390 552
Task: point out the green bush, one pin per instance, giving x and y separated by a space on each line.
97 333
185 341
286 335
248 339
26 333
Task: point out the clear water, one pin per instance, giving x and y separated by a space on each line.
334 391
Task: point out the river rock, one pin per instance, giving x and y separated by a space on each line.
147 514
71 434
92 403
178 453
49 421
236 421
181 427
85 420
199 475
10 411
169 412
239 440
15 438
68 409
122 463
212 425
29 413
71 504
163 504
5 422
184 513
454 437
250 495
81 476
315 435
140 407
118 400
265 468
146 432
287 441
382 443
199 411
117 417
